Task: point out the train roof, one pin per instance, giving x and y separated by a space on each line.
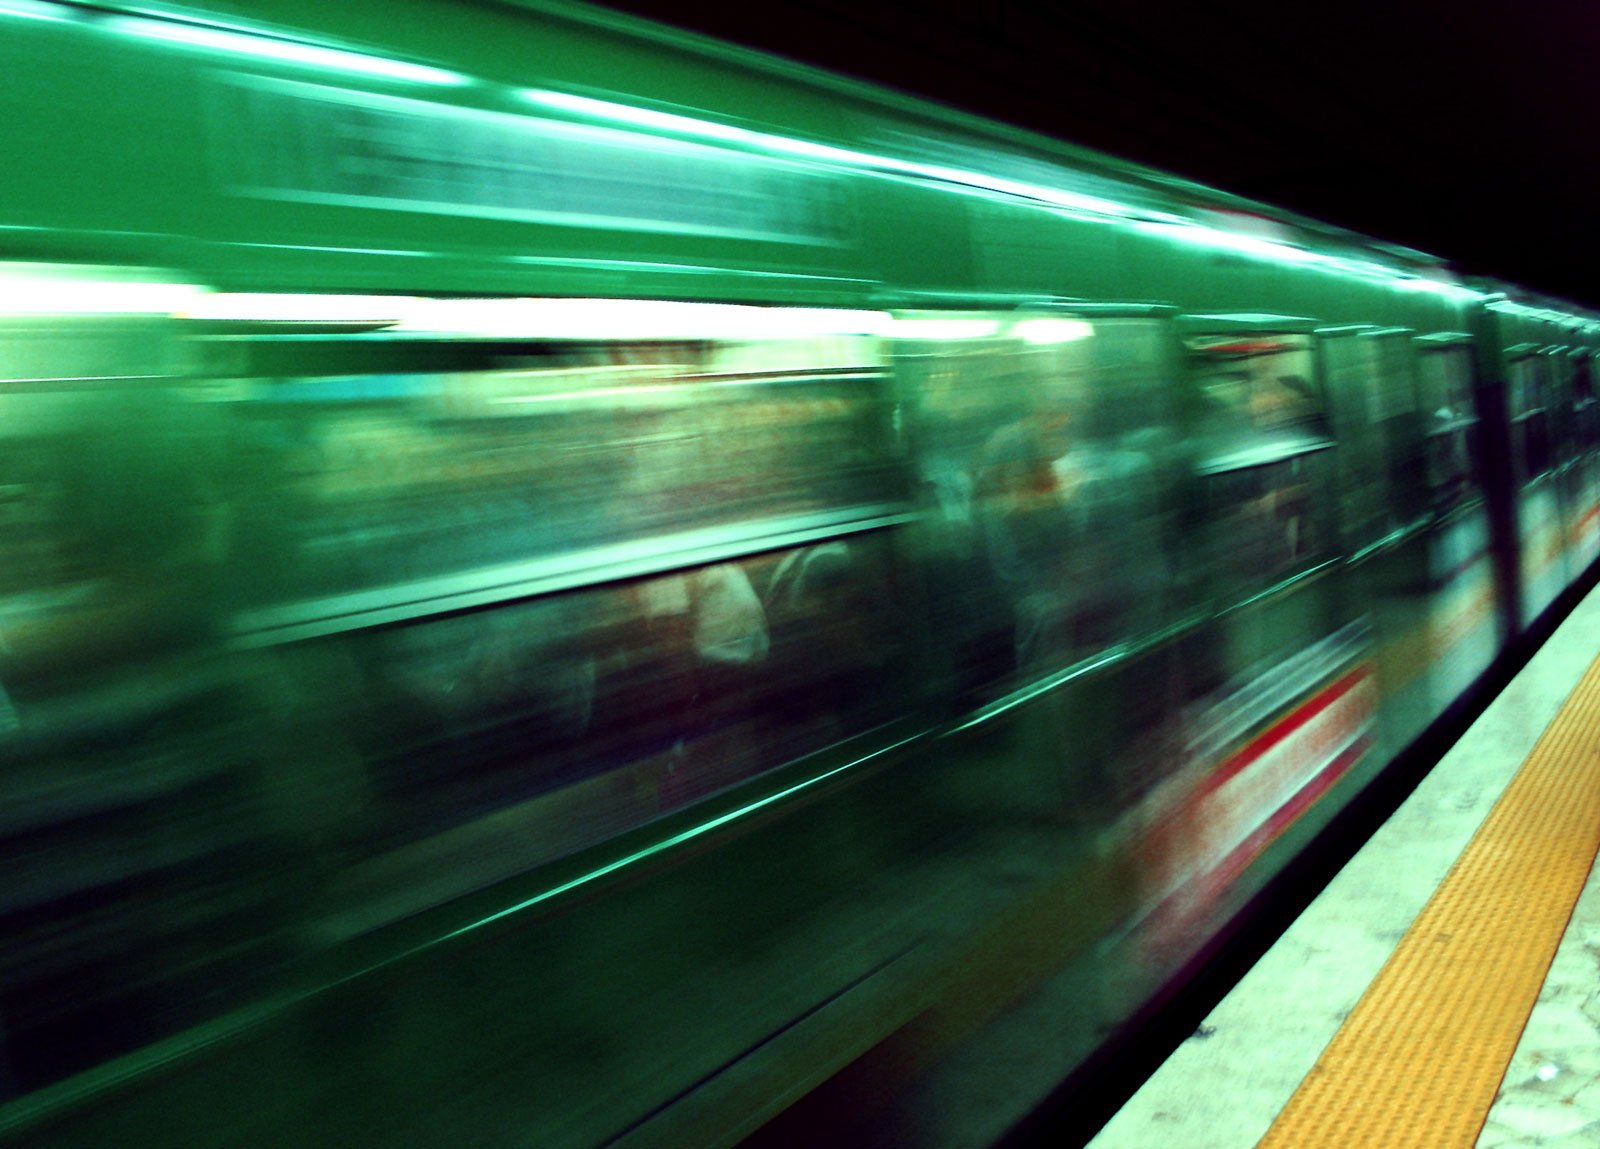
426 75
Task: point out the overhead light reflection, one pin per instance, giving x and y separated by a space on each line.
765 141
689 126
1436 287
1043 332
36 10
283 51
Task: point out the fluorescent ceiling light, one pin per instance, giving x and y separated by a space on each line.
520 318
1045 331
613 319
22 293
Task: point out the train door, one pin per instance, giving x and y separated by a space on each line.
1584 525
1369 377
1283 700
1047 455
1566 466
140 895
1461 629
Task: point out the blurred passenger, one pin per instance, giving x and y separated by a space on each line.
834 629
1033 477
964 602
710 635
140 533
121 803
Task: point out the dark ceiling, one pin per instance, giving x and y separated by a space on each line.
1466 133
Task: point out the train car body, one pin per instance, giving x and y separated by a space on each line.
571 585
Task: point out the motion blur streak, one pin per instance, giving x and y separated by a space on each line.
564 585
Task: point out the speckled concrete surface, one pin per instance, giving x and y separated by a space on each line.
1551 1092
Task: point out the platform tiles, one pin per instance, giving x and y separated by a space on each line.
1396 1011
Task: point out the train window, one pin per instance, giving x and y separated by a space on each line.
187 804
1256 385
532 450
1585 407
1266 462
1359 399
126 789
1558 404
1530 418
500 740
1401 427
1448 424
1265 520
1042 442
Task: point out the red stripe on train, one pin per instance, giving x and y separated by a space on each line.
1280 730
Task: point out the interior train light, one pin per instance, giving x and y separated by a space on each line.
589 320
1046 331
939 330
22 293
269 307
597 320
282 51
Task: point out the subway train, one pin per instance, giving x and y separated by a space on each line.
567 584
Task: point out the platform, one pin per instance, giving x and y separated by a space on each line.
1428 997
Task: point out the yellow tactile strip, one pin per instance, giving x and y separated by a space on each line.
1420 1058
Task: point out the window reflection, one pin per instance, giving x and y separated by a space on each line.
1039 473
1530 416
365 481
542 728
1257 384
1586 410
1449 423
192 805
1362 397
1265 459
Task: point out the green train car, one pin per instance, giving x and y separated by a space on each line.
567 585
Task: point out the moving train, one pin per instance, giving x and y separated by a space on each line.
566 584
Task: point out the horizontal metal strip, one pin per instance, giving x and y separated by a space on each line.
486 586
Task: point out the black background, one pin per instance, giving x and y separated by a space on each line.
1467 133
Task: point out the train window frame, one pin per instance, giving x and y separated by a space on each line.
240 354
1450 421
1371 424
265 361
979 325
1528 397
1234 452
1585 404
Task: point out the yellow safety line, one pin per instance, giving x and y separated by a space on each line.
1419 1060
